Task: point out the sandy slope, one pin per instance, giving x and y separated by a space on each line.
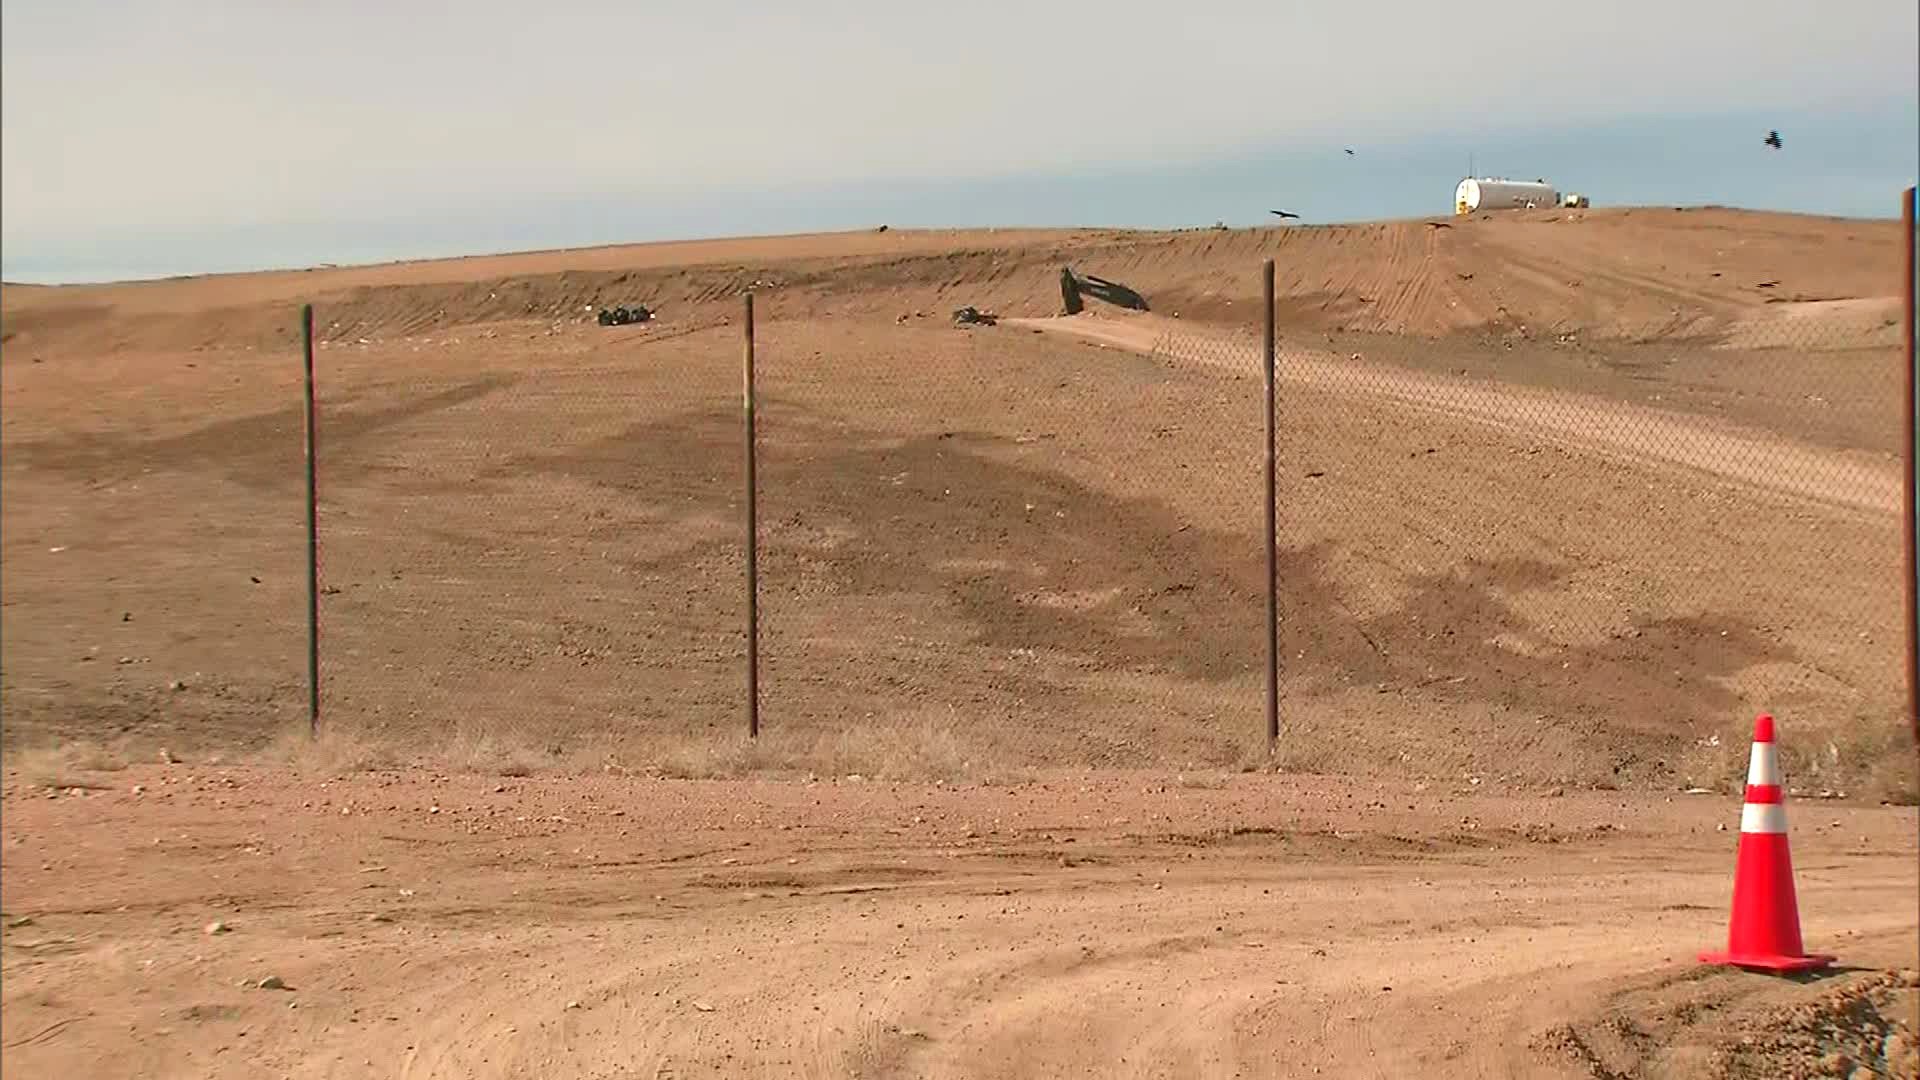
1749 457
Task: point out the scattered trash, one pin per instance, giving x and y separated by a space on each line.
624 316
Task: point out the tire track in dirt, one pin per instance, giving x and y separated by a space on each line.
1753 459
1225 972
615 928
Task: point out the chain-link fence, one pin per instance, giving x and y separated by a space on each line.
1545 553
529 542
153 589
1579 545
1001 545
1582 552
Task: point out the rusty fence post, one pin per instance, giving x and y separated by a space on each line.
1910 527
1270 526
313 532
753 526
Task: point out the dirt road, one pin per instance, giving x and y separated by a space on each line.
1753 459
1089 924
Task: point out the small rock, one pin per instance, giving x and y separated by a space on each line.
167 757
139 789
176 686
573 1004
1898 1048
702 1006
376 917
217 927
272 982
1722 827
24 920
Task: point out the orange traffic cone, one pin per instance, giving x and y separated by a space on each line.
1765 931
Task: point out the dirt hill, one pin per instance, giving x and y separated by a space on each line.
1041 546
1633 273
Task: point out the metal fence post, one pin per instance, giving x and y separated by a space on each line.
753 529
1910 299
1273 555
313 533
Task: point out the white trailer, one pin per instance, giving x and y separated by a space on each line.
1491 193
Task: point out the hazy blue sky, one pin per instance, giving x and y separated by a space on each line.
151 138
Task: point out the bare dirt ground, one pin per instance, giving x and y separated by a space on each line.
1564 499
1103 924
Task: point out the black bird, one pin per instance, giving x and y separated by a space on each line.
1282 213
1349 151
1773 139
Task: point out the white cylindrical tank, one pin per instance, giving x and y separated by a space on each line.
1474 195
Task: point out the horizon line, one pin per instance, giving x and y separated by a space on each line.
462 256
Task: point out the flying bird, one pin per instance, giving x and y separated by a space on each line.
1283 213
1349 151
1773 139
